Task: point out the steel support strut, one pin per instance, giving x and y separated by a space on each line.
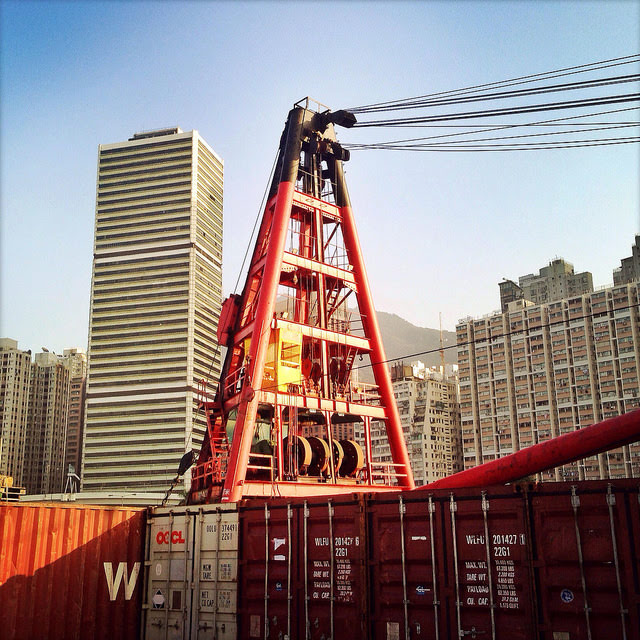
243 433
370 322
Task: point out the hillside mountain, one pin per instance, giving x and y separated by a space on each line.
402 340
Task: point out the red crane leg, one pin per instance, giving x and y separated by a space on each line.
569 447
243 432
378 358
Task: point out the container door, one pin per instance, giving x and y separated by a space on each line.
406 579
333 558
216 575
488 553
586 558
168 601
266 572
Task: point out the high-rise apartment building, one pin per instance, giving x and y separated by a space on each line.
15 383
536 372
629 269
509 292
429 412
155 301
556 281
77 363
44 470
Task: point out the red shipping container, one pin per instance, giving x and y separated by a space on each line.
406 572
333 558
303 569
551 561
450 564
586 555
487 542
268 608
70 571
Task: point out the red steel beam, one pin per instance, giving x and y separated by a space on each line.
243 433
393 424
569 447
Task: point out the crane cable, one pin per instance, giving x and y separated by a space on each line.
537 77
468 140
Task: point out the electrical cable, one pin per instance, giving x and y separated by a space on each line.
509 334
410 147
246 253
468 140
549 106
560 122
584 68
533 146
571 86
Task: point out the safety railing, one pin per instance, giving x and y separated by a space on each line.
387 473
211 472
254 465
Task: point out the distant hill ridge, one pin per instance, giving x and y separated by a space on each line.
402 339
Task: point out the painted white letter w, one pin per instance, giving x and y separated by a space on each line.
113 584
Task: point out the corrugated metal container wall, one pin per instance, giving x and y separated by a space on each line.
191 573
267 534
522 562
406 574
303 570
170 576
450 564
489 559
586 555
70 571
334 560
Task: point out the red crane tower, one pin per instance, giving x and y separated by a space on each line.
289 417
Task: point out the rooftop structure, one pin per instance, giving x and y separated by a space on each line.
556 281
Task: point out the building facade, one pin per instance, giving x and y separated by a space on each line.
15 384
77 363
429 412
44 470
155 300
509 292
536 372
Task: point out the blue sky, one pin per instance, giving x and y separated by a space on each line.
438 231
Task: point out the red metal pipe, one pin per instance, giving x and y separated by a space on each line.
569 447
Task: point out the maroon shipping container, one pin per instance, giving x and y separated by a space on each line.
520 562
540 562
450 564
303 569
70 571
406 570
586 555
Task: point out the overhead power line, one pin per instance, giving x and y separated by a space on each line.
587 84
516 147
488 340
567 121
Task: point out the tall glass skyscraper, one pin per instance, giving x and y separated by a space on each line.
155 301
